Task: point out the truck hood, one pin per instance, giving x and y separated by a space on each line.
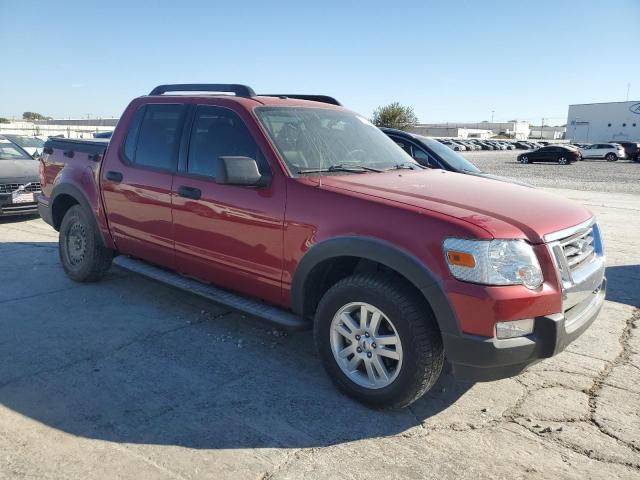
19 171
505 210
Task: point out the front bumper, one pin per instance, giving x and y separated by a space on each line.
482 359
8 208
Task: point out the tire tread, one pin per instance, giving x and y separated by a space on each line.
425 338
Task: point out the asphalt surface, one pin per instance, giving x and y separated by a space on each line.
622 176
127 378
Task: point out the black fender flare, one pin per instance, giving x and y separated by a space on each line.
386 254
78 196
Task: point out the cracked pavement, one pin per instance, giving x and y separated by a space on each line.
127 378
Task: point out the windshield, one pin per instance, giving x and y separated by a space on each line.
26 142
453 158
320 139
8 151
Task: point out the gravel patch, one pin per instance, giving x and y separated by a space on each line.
622 176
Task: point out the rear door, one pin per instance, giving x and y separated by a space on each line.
225 234
598 151
137 182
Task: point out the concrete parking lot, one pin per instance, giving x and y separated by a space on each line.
130 379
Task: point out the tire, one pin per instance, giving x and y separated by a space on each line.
611 157
563 160
418 342
82 257
524 159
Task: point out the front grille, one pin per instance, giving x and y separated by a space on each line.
578 254
12 187
578 249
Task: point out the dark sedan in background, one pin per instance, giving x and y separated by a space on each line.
434 154
19 180
552 153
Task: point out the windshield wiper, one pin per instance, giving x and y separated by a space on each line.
408 165
341 168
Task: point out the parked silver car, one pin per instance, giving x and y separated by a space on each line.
609 151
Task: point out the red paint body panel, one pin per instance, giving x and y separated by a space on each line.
502 209
251 240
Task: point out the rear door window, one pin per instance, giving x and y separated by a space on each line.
158 138
132 134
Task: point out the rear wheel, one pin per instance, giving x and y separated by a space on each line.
82 257
611 157
379 342
563 160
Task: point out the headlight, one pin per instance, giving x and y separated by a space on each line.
493 262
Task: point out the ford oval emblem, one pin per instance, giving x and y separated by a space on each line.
635 108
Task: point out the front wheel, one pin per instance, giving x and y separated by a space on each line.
524 159
611 157
563 160
82 257
378 341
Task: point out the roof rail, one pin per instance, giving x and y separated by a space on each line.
313 98
239 90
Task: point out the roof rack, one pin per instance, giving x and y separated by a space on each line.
313 98
239 90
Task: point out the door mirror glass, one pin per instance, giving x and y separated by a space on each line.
241 171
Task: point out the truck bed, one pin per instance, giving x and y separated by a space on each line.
92 146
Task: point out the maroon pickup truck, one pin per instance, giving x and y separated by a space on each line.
297 210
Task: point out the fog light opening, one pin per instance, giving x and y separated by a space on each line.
516 328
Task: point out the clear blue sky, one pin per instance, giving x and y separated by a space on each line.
450 60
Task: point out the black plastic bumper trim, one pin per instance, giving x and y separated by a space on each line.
482 359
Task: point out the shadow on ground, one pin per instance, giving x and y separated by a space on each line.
622 286
131 361
17 218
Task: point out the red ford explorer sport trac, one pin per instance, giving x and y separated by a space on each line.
296 210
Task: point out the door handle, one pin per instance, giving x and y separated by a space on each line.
189 192
114 176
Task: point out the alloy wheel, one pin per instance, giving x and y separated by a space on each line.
366 345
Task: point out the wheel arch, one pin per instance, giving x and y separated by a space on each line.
332 260
63 197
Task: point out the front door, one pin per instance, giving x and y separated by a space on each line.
224 234
137 183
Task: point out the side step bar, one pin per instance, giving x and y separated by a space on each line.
280 317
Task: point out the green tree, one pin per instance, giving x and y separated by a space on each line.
394 115
34 116
4 120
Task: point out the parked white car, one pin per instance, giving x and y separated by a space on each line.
609 151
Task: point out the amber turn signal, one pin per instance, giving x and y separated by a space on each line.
461 259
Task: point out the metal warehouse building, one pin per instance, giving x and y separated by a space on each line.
604 122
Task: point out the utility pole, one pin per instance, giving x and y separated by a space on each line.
492 112
628 88
541 128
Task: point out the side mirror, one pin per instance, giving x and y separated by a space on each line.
241 171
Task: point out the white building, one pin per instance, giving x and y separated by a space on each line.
547 133
604 122
78 128
453 132
513 129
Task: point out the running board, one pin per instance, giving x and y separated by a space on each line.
282 318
